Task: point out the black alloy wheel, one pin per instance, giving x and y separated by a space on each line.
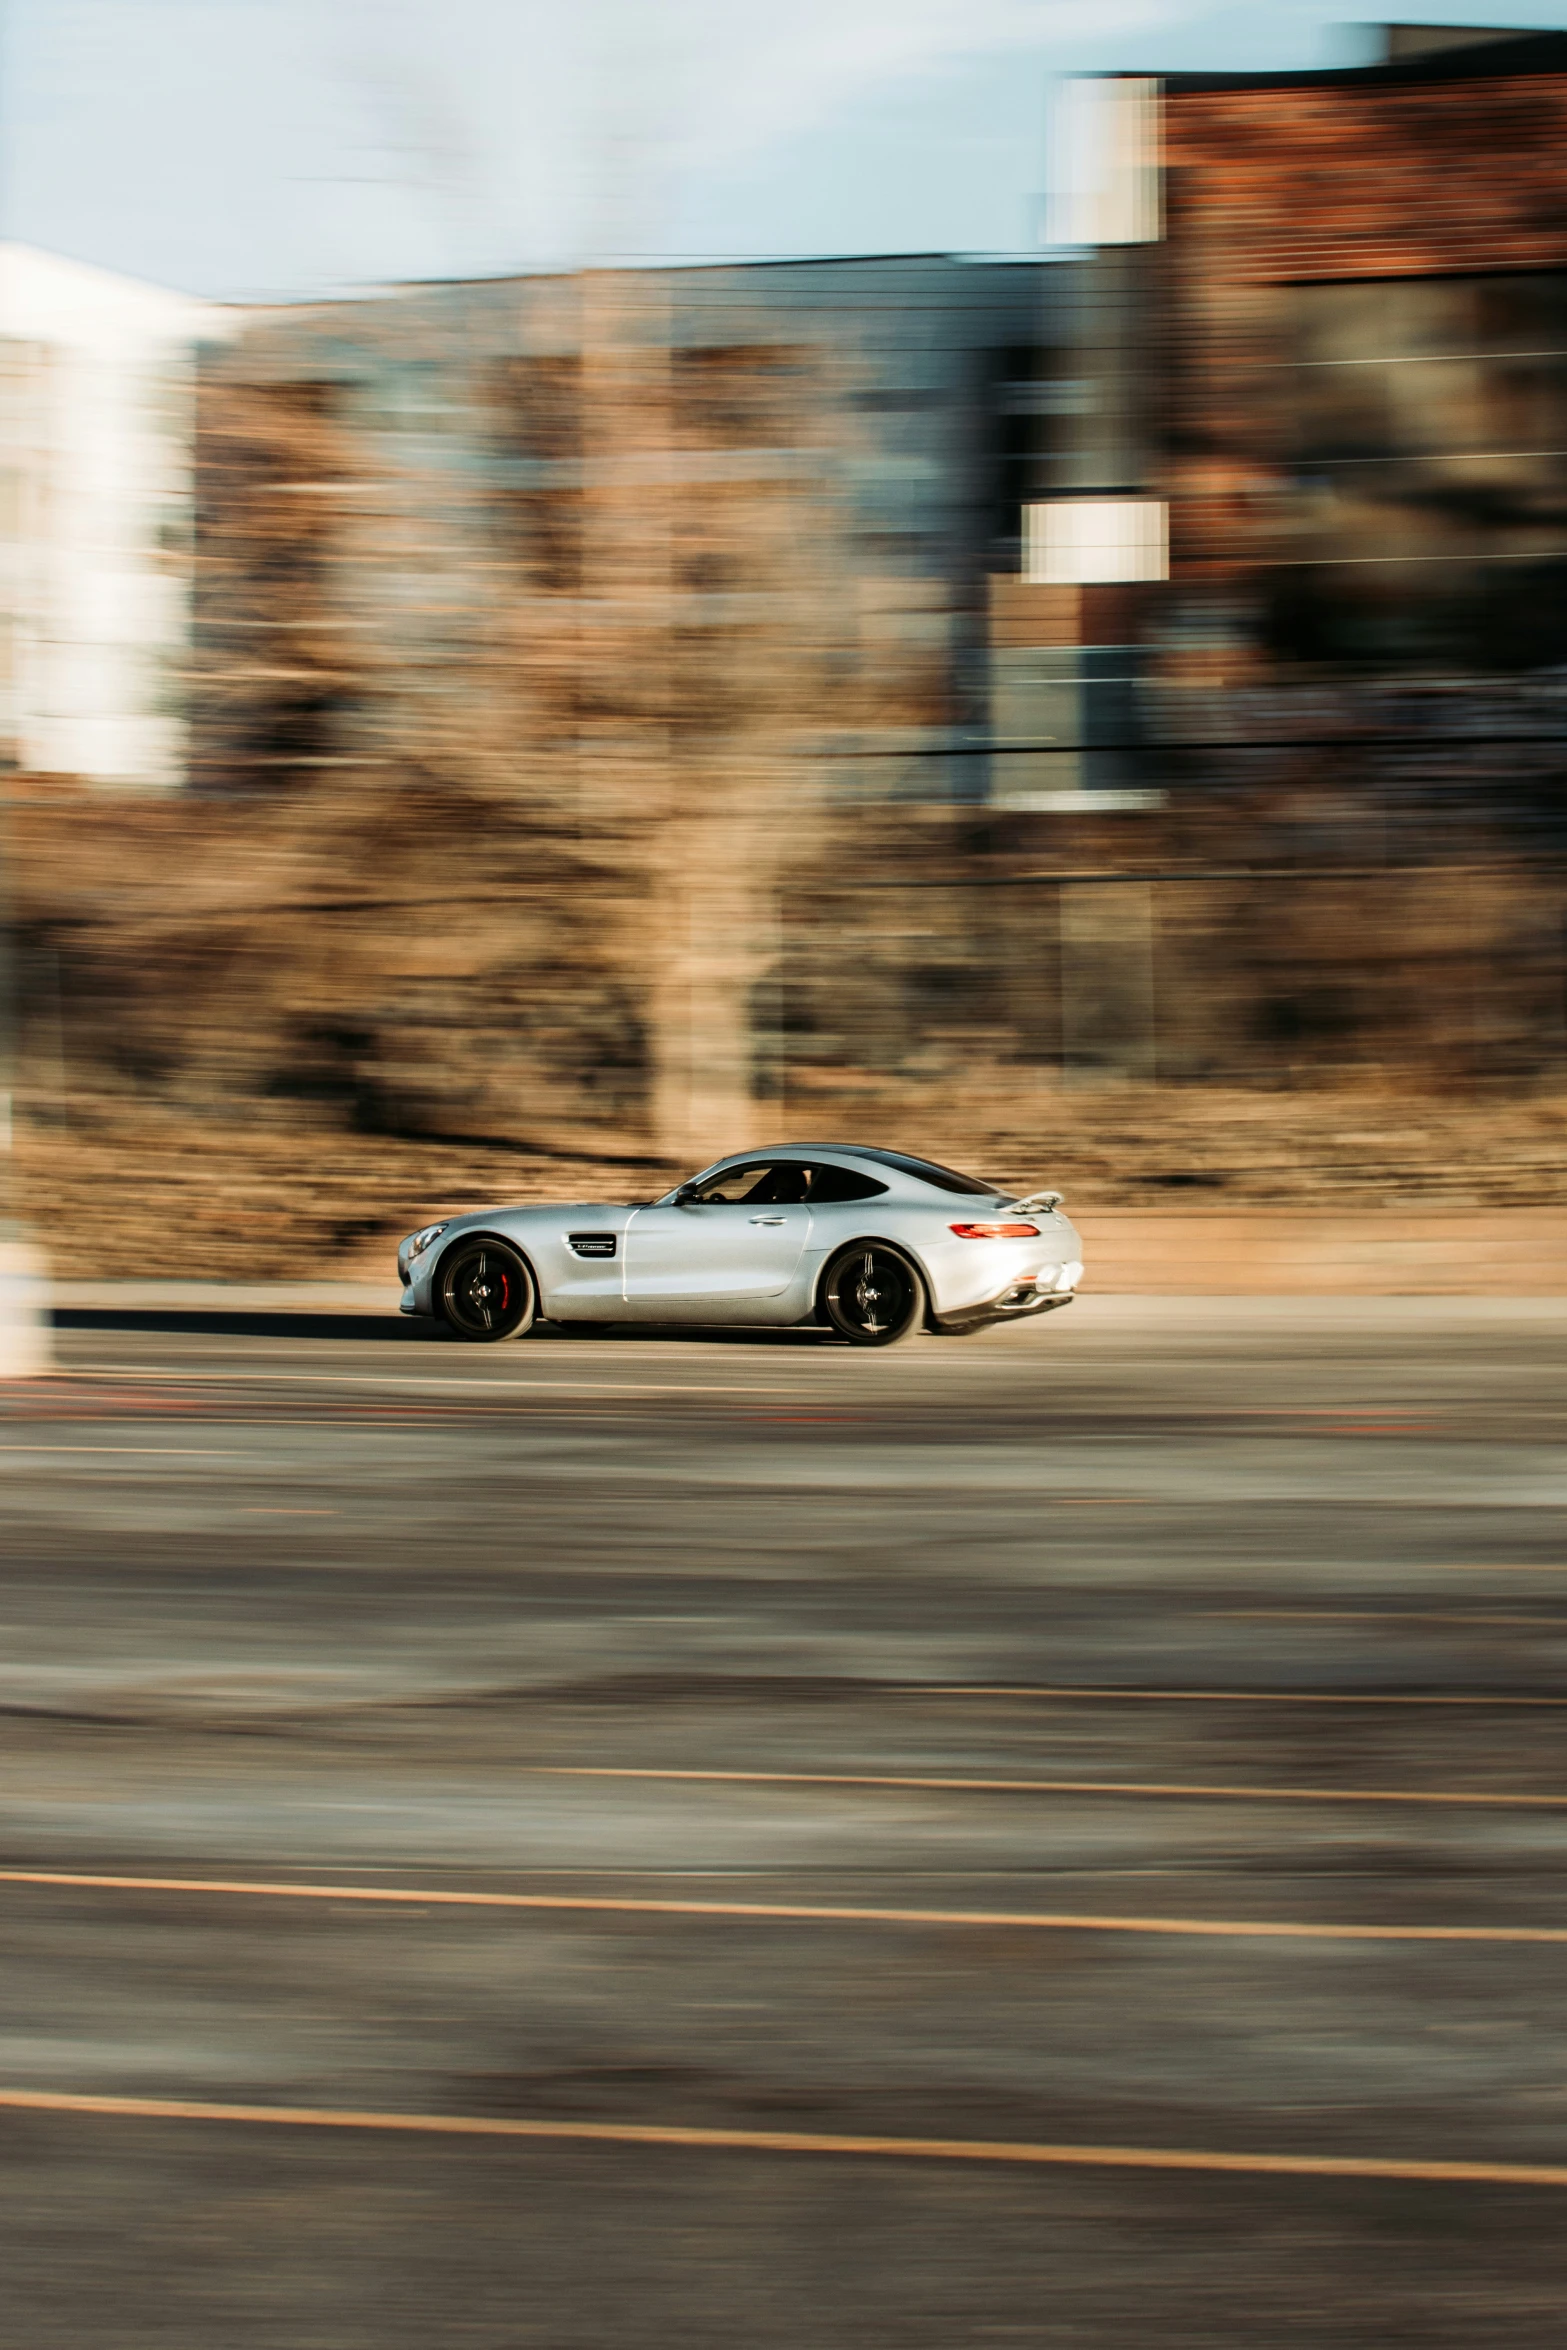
873 1296
485 1291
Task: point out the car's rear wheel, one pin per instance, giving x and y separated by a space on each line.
872 1295
485 1291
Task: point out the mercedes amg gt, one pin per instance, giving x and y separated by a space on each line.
870 1244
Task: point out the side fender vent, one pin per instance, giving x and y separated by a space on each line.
591 1244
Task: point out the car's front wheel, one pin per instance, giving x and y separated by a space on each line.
484 1291
873 1296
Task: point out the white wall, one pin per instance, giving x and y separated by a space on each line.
97 430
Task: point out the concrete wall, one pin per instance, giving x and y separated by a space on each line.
1351 1252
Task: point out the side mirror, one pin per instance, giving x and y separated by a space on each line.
687 1196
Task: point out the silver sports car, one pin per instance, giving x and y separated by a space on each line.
868 1243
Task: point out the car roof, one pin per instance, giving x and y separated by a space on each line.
841 1150
806 1150
871 1154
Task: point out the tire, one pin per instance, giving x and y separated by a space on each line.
484 1291
872 1296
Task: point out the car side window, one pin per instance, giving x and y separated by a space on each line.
830 1184
734 1184
787 1183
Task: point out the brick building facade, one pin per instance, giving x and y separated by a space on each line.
1358 319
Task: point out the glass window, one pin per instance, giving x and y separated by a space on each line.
782 1183
830 1184
786 1184
731 1184
943 1178
1424 417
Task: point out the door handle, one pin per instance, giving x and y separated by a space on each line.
769 1219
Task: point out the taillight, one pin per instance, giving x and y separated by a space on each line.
995 1231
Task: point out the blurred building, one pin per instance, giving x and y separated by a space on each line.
97 413
679 563
1368 293
837 452
1334 344
632 712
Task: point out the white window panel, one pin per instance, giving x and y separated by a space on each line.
1095 542
1105 162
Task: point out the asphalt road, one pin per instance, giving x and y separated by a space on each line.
728 1663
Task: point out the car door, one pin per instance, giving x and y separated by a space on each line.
738 1235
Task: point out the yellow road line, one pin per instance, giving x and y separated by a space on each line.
991 2150
1148 1787
1210 1696
636 1905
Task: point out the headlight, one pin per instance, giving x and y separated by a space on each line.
423 1240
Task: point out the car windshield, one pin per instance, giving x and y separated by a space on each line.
944 1178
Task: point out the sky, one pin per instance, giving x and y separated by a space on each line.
278 149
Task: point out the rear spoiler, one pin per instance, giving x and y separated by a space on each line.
1039 1199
